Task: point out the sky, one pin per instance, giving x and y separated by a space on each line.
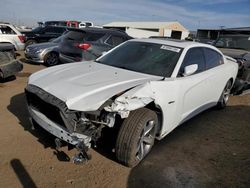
192 14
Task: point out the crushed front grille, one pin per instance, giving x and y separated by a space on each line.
47 104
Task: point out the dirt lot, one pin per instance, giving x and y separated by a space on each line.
212 149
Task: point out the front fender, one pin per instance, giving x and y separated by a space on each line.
133 99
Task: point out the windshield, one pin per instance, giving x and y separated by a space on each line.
234 42
37 29
148 58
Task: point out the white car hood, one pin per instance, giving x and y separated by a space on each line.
85 86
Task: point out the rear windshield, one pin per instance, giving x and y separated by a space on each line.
94 36
83 36
75 36
37 29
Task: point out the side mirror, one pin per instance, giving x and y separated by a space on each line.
190 69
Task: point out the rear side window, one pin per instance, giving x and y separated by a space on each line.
115 40
213 58
194 56
94 36
75 36
6 30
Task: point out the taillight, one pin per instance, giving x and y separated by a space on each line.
21 38
83 46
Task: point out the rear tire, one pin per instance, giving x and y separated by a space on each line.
51 59
222 103
1 75
136 137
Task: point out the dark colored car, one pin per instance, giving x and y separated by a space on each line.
9 66
43 34
89 43
237 46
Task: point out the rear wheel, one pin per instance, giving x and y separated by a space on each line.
136 136
1 75
51 59
225 95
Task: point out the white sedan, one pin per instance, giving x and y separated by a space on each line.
144 88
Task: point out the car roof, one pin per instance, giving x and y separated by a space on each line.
96 29
174 42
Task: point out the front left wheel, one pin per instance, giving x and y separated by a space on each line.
136 137
51 59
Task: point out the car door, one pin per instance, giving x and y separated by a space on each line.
195 89
215 67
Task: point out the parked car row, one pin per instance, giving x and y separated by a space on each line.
76 45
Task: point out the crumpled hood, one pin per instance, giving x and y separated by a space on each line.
234 53
85 86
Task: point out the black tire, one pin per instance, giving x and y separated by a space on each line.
222 103
133 143
51 59
1 75
29 42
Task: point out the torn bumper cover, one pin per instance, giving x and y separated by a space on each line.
56 130
52 114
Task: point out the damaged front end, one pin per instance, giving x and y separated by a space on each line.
74 127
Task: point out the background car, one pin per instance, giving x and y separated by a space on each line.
89 43
10 34
144 89
43 34
238 47
46 53
9 66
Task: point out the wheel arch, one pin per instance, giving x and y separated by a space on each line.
158 110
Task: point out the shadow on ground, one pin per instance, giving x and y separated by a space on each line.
22 174
18 107
8 79
212 149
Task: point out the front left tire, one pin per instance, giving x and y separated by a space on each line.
136 137
51 59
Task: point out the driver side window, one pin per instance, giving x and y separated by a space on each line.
194 56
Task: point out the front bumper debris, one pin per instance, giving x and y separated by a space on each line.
56 130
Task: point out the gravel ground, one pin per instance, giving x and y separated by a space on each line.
212 149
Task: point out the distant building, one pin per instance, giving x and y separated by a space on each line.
148 29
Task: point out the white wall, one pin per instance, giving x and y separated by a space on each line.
140 33
167 32
184 35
